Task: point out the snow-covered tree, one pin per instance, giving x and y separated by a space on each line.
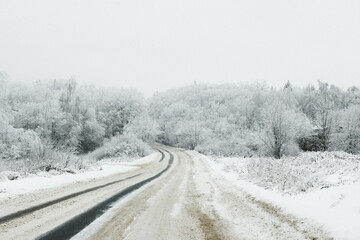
347 135
277 130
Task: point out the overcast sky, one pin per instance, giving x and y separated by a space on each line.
154 45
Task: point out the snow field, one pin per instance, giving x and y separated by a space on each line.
324 187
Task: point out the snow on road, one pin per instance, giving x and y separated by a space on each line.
337 207
192 201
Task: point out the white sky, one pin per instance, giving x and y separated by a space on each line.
155 45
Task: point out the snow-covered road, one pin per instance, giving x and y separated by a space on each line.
194 202
189 201
28 215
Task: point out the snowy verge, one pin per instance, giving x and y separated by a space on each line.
336 207
44 180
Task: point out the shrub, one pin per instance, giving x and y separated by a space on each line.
127 145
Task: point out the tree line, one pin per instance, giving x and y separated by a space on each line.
254 119
42 118
38 120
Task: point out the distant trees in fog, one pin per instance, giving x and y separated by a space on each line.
254 119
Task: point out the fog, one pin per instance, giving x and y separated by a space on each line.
156 45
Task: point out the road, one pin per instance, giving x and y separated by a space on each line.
177 196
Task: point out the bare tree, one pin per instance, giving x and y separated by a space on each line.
276 134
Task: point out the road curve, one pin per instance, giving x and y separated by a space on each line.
178 196
79 222
40 214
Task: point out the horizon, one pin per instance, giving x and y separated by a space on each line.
239 83
161 45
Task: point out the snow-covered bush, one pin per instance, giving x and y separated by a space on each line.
232 146
279 174
126 145
19 144
23 151
144 128
45 159
309 171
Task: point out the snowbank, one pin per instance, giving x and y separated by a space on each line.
307 172
333 200
45 180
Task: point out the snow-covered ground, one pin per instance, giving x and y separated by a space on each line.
324 187
51 179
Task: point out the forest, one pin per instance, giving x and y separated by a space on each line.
257 120
58 123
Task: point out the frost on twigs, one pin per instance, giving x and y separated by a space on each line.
307 172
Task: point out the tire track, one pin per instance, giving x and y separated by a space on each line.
79 222
30 210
